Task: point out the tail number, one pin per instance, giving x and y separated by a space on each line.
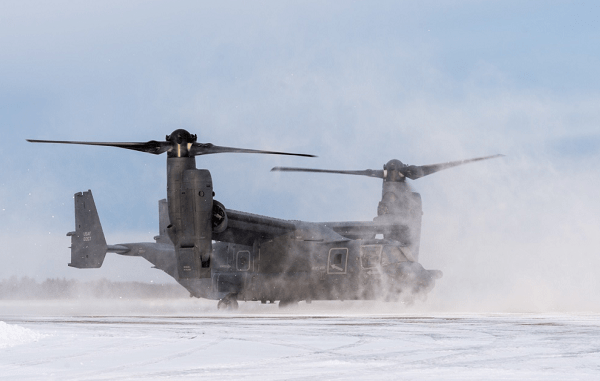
87 236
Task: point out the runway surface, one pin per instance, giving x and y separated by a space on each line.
263 343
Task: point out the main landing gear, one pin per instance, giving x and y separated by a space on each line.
287 303
229 302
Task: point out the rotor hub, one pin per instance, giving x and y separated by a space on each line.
181 136
392 171
182 142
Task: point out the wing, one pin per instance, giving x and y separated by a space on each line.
361 229
244 228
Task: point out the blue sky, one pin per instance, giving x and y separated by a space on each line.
356 83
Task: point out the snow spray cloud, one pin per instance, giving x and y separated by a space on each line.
525 243
515 234
519 233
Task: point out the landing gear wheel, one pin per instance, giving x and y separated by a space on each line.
287 303
228 303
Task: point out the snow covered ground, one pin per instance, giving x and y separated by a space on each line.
105 340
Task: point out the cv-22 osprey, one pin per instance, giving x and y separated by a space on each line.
227 255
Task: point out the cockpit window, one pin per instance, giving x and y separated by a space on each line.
392 254
370 256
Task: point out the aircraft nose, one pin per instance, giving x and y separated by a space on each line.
435 274
413 272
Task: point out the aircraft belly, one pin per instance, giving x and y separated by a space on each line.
199 287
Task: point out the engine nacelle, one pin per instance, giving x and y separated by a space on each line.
403 208
190 194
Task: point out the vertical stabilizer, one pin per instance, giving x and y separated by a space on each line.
88 245
163 222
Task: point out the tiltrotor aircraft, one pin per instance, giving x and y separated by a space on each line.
226 255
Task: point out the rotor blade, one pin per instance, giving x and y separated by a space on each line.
367 172
414 172
152 146
208 148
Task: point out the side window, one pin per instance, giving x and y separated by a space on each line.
243 260
337 258
370 256
337 261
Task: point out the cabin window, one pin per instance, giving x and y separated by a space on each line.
338 261
370 256
243 260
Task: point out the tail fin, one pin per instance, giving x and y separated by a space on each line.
163 222
88 245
